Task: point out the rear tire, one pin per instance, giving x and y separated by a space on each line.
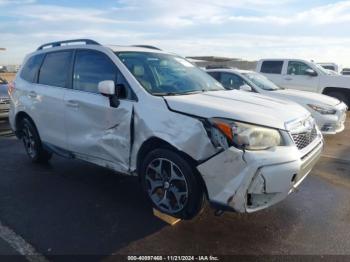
170 183
32 142
341 96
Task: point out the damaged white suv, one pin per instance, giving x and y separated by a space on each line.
141 111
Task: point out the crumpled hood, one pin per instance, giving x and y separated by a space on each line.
238 105
304 97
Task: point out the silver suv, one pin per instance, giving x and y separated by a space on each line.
141 111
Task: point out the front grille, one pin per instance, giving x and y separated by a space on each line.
304 139
4 100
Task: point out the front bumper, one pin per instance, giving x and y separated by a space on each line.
332 124
253 180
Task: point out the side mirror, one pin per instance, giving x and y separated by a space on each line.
246 88
107 87
310 72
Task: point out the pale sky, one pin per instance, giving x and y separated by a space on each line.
248 29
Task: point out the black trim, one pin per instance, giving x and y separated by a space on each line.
132 134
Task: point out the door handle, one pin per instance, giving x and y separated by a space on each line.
288 78
32 94
72 103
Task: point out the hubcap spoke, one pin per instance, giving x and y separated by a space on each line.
178 195
165 201
157 168
174 175
154 184
167 186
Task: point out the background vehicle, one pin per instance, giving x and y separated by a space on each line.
4 99
330 66
141 111
329 112
346 71
307 76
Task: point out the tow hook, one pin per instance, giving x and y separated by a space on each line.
219 212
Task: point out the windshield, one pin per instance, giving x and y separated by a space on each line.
324 71
165 74
261 81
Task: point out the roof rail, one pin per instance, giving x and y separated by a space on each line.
59 43
219 67
148 46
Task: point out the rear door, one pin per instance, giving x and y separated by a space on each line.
296 78
97 129
47 97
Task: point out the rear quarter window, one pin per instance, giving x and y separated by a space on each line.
31 67
271 67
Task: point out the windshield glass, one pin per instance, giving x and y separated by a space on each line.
165 74
323 70
261 81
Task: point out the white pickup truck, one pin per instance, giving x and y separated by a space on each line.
303 75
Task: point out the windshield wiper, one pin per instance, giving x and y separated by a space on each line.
178 94
166 94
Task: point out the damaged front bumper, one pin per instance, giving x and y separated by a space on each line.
248 181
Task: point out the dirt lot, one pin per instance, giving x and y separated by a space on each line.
8 76
70 207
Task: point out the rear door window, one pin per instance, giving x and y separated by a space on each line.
31 67
272 67
55 69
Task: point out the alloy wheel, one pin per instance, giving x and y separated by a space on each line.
166 185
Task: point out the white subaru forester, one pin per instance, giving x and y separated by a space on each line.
141 111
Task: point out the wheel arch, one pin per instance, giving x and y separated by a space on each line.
341 90
19 117
330 89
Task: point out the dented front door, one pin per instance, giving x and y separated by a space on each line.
97 130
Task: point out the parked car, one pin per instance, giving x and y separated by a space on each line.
4 99
142 111
303 75
330 66
329 112
346 71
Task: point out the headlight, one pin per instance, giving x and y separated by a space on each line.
323 110
225 133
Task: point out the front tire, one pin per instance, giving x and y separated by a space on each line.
170 183
32 143
341 96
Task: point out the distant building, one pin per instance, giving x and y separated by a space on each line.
9 68
211 61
